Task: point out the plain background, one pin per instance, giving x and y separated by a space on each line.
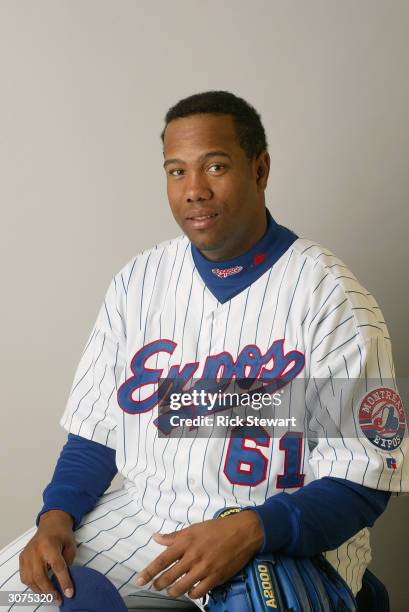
83 92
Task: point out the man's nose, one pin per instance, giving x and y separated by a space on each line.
197 188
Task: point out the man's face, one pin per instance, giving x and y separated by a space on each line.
215 192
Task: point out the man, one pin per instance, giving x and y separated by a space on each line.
240 298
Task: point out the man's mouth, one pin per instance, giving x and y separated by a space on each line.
201 220
201 217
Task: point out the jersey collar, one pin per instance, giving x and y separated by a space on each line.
227 278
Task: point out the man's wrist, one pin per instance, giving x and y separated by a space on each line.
252 529
56 515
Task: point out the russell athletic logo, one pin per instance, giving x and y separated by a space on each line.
382 418
391 463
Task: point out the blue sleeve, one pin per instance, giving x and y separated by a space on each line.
83 473
319 517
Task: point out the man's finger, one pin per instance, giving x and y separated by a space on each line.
69 552
41 579
185 584
158 565
60 569
165 538
177 570
202 588
41 583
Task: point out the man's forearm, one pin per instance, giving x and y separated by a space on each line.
318 517
83 472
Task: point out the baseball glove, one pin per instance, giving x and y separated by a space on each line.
276 582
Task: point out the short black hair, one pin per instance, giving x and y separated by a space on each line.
250 131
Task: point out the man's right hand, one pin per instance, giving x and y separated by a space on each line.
53 546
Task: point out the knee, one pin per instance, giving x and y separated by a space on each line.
92 590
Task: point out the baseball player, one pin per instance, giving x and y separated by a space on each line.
239 298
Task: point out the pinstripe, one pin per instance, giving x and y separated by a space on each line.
331 332
360 360
210 436
225 438
308 248
342 437
98 518
346 277
97 400
197 429
346 365
107 313
322 279
326 253
262 302
369 325
331 312
349 559
104 550
337 347
104 416
363 445
142 291
238 349
181 359
117 310
278 296
130 274
306 315
109 529
377 358
90 365
93 380
322 306
94 331
323 428
293 295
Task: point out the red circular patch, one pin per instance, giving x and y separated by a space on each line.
382 418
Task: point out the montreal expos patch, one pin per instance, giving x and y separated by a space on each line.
382 418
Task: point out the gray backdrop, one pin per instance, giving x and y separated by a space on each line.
83 91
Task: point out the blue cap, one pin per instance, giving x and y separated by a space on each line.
93 592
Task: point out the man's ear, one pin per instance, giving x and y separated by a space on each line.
262 169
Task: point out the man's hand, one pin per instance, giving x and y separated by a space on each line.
204 555
53 546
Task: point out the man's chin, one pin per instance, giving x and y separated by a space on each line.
207 246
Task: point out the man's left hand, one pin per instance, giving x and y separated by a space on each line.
203 555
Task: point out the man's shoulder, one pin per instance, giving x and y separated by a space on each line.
320 263
155 254
332 286
316 255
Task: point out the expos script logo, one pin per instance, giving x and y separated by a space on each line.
274 367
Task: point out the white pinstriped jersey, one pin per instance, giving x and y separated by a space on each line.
158 314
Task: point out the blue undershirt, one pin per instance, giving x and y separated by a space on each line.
320 516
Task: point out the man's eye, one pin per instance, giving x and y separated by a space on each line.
216 166
173 172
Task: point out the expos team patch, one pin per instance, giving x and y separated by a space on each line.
382 418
